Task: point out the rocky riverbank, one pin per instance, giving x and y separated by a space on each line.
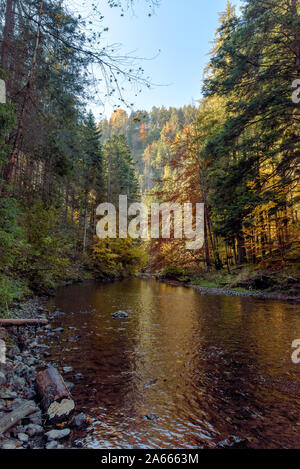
24 358
232 292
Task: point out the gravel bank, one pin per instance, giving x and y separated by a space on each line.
228 292
24 358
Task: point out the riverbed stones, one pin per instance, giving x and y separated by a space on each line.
23 437
17 387
52 445
70 385
79 377
3 334
10 445
13 351
120 315
18 383
36 418
33 430
58 434
233 442
151 417
79 420
2 378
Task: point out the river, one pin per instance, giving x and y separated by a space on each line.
183 371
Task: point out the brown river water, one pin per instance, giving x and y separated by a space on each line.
183 371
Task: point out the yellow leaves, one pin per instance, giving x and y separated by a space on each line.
117 256
59 17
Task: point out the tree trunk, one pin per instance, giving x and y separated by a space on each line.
8 170
241 248
7 34
207 257
297 37
56 399
86 199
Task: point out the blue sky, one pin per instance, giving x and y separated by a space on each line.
182 30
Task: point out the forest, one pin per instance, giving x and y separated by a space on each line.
236 150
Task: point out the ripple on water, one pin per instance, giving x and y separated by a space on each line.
209 367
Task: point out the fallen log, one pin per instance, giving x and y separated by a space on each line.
56 399
11 419
23 322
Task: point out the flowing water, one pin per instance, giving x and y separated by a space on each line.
183 371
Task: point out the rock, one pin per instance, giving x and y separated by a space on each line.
13 351
70 385
75 338
233 442
120 315
18 383
33 345
151 417
29 393
58 434
9 445
2 378
151 383
52 445
33 430
59 330
30 361
3 334
79 377
79 420
67 369
23 437
7 394
36 418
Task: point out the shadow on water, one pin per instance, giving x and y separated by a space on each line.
184 370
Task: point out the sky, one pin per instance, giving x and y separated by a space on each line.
177 38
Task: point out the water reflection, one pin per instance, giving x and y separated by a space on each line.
184 371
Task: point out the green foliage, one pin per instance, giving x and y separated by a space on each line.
45 257
115 258
175 273
120 170
10 232
7 123
11 290
149 136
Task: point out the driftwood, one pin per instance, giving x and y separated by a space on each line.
11 419
23 322
56 399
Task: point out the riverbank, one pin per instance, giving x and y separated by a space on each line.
24 357
232 292
281 285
